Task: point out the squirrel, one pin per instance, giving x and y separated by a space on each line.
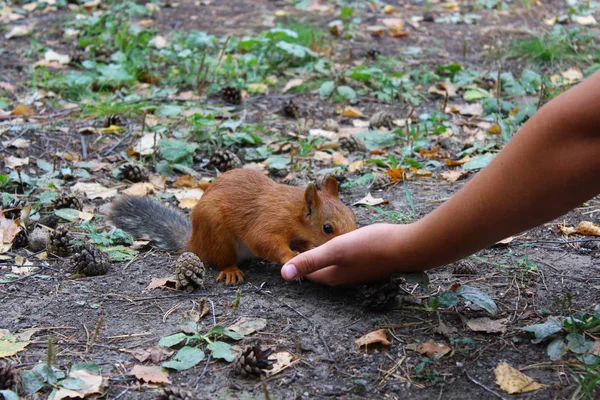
242 214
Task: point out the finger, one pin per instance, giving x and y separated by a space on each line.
310 261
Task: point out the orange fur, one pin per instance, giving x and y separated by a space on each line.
243 208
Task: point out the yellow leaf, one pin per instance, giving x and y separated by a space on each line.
352 112
513 381
495 130
378 337
10 344
22 110
388 9
281 13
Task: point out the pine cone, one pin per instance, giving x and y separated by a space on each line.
231 95
67 201
224 160
464 267
59 242
382 119
372 54
428 17
290 110
175 393
133 173
377 296
9 377
380 181
252 362
12 209
352 144
189 272
91 261
49 220
113 119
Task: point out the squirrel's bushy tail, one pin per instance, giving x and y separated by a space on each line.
146 219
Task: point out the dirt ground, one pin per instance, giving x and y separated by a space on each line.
317 325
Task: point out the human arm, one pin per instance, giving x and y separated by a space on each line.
549 167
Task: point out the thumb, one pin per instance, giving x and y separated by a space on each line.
310 261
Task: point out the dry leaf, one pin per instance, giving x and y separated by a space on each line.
453 163
323 157
52 56
513 381
292 84
14 162
18 31
585 20
356 166
369 200
486 324
453 176
110 130
431 349
329 135
584 228
443 89
396 174
430 154
150 374
472 109
495 129
12 344
375 338
283 359
140 189
419 173
158 42
88 384
162 283
339 159
187 197
147 144
155 354
18 143
95 190
22 110
393 23
158 181
352 112
573 74
247 326
7 86
186 181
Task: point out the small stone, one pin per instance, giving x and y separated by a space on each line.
38 239
331 125
428 17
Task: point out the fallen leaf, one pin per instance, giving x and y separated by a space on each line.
8 87
147 144
158 42
502 243
356 166
513 381
282 360
18 143
19 31
329 135
585 20
454 163
453 176
140 189
186 181
94 190
150 374
52 56
495 129
11 344
487 325
396 174
22 110
88 384
340 159
573 75
430 154
110 130
158 181
375 338
323 157
431 349
187 197
472 109
584 228
246 326
292 84
8 231
352 112
369 200
14 162
162 283
443 89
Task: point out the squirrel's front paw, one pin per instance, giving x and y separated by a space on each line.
232 275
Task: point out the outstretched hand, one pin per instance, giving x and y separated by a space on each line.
366 254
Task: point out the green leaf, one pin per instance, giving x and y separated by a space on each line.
326 88
47 197
448 299
44 165
221 350
119 253
476 94
556 349
577 343
114 73
281 34
346 92
295 49
168 110
91 367
477 297
177 151
478 162
278 162
542 331
219 330
187 357
172 340
346 12
420 278
68 214
377 140
9 395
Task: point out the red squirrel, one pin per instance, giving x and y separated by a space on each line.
242 214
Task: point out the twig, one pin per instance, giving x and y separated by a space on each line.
114 146
83 147
123 393
487 389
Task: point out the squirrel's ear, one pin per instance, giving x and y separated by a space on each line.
311 197
330 186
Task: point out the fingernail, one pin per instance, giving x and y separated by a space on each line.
289 272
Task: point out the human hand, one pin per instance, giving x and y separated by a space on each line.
366 254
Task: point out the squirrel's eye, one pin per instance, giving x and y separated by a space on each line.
328 229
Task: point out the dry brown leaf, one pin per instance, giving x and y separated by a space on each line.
150 374
22 110
323 157
352 112
18 31
585 20
393 23
513 381
431 349
471 109
155 354
187 197
339 159
584 228
292 84
596 349
88 384
147 144
454 163
487 325
495 129
94 190
419 173
158 181
329 135
140 189
443 89
18 143
283 359
7 86
14 162
430 154
186 181
8 230
453 176
369 200
398 33
356 166
375 338
162 283
396 174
